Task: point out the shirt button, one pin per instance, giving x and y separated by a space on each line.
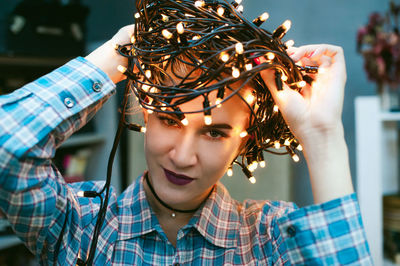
97 86
68 102
291 230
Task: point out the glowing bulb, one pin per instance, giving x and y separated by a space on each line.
81 193
185 122
199 3
207 120
254 165
196 37
229 172
249 66
264 16
137 15
149 111
166 34
287 24
235 72
148 73
321 70
220 11
267 141
270 56
299 147
165 18
179 28
121 69
276 108
252 180
277 145
145 87
143 129
287 142
289 43
238 1
250 98
295 158
284 77
262 164
240 8
301 83
224 57
153 90
239 48
133 39
243 134
218 102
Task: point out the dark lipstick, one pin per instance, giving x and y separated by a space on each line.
177 179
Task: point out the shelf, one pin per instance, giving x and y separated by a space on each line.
83 139
9 241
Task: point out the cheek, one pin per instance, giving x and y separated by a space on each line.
157 140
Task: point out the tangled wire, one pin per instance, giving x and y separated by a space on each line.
216 46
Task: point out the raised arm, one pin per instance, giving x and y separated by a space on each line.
315 118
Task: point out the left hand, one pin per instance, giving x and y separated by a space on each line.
316 111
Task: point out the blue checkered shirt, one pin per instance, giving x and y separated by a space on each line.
37 118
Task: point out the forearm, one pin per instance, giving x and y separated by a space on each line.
328 164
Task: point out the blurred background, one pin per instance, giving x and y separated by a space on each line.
38 36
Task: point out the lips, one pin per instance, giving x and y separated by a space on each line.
177 179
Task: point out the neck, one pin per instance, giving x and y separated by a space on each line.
162 209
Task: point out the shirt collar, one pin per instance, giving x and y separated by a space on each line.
217 220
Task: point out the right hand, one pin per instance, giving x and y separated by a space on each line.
107 58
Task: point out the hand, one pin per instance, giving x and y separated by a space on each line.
107 58
315 111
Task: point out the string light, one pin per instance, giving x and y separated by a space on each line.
137 15
252 180
179 28
221 11
287 142
289 43
276 108
301 84
167 34
229 172
243 134
249 66
185 122
148 74
235 72
270 56
239 48
224 57
165 18
299 147
199 3
277 145
262 164
295 158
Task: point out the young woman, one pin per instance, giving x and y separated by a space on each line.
178 213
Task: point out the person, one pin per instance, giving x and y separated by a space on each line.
178 213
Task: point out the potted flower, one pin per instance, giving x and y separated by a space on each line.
379 43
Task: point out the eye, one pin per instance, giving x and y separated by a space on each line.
168 121
215 134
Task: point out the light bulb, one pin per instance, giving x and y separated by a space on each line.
207 120
185 122
145 87
276 108
243 134
224 57
301 84
299 147
252 180
238 1
229 172
235 72
133 39
267 141
239 48
250 98
262 164
287 142
287 24
264 16
284 77
121 69
143 129
166 34
249 66
165 18
220 11
199 3
196 37
81 193
148 73
295 158
137 15
289 43
277 145
149 111
218 102
179 28
270 56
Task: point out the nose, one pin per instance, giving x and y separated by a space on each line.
184 151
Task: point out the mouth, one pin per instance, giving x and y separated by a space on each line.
177 179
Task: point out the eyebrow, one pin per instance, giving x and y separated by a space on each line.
220 126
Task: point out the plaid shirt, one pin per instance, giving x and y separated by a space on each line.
37 118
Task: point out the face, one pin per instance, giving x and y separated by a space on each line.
200 152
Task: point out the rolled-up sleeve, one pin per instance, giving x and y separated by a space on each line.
34 121
330 233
